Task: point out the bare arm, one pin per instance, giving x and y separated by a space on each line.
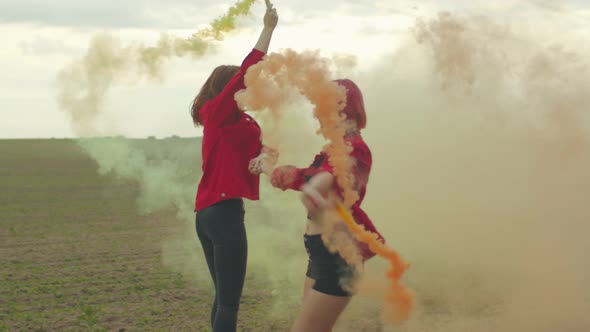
270 22
316 191
322 183
264 40
225 103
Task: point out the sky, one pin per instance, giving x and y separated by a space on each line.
41 37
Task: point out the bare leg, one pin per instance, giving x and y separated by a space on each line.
319 311
307 287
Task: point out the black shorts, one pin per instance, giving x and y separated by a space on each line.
326 268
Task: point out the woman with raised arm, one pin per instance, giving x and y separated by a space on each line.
231 138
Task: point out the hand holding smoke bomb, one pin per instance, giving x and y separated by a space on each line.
270 17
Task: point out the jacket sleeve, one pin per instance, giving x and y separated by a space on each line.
215 112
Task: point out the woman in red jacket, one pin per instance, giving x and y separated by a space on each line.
324 297
231 138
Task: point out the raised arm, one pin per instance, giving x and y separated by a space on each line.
220 108
271 19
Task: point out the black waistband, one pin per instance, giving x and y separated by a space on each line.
313 240
238 201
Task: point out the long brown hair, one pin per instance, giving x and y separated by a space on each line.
212 87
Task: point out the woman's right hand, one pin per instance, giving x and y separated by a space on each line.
283 176
271 18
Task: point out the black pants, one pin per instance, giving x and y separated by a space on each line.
329 270
223 236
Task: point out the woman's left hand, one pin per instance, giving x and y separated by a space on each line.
271 18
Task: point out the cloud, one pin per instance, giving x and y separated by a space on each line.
188 13
109 13
174 14
40 46
43 35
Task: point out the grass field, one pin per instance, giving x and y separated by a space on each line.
108 244
77 254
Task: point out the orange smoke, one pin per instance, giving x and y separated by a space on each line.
273 82
270 85
399 298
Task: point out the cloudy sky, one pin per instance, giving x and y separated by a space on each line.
43 36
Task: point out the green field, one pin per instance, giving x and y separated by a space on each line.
78 255
98 235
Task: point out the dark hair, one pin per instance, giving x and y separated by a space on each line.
355 106
212 87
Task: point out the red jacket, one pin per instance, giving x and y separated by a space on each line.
362 154
231 138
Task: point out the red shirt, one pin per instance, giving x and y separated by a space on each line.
361 170
231 138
